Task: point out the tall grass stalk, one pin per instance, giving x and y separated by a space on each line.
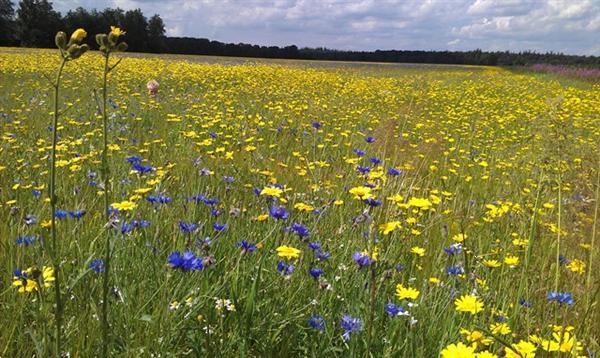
52 192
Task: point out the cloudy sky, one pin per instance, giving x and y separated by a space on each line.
570 26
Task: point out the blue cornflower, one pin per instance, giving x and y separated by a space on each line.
562 259
126 228
561 297
316 125
30 219
18 273
523 302
97 265
27 240
279 212
216 212
454 270
372 202
209 201
205 172
394 172
350 325
140 223
36 192
187 228
359 152
394 310
285 268
228 179
133 159
370 139
161 199
316 272
453 249
220 227
77 214
300 230
246 246
362 259
186 262
322 255
375 161
314 246
363 170
61 214
141 168
317 322
196 198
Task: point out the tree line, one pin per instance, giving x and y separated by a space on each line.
33 22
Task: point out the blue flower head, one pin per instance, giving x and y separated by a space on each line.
97 265
350 325
362 259
394 310
317 322
278 212
316 272
300 230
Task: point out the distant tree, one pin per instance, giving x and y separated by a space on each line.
136 26
112 17
37 22
92 22
7 23
156 34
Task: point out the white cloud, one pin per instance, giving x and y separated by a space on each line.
571 26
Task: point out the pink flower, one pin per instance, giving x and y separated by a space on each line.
152 86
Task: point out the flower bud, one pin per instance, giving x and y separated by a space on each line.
60 40
73 51
121 47
102 41
78 36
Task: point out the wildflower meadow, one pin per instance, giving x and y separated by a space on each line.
158 206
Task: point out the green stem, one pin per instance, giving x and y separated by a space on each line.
105 177
590 262
52 188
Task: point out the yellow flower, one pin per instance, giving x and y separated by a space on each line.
511 261
304 207
408 293
523 349
500 328
271 191
491 263
486 354
48 276
577 266
421 203
469 303
459 350
434 280
288 252
361 192
389 227
78 35
116 31
124 206
476 337
419 251
459 237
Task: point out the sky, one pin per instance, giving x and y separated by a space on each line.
568 26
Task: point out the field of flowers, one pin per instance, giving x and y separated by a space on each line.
300 209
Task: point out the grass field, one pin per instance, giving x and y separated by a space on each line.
289 208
